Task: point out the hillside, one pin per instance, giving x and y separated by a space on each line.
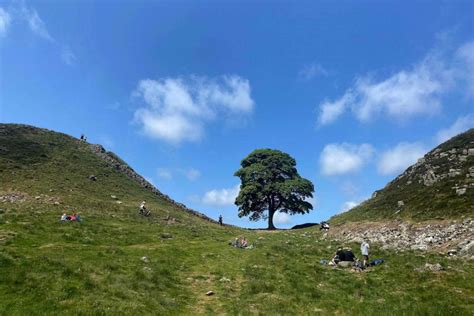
116 262
439 186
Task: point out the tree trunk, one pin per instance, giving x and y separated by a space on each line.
270 219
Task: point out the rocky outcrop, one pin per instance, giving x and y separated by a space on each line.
115 162
441 164
456 237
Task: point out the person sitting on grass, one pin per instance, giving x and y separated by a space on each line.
343 257
64 217
244 243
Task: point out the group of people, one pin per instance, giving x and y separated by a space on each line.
83 138
241 242
70 218
345 257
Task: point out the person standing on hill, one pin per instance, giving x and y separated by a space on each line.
220 220
364 249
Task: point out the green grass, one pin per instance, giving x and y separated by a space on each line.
95 267
422 203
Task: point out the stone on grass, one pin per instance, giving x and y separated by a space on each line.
166 235
433 267
145 259
209 293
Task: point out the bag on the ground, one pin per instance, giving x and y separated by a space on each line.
376 262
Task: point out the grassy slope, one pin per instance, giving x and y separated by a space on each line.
94 268
438 201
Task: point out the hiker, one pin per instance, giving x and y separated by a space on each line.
64 217
82 137
72 218
220 220
364 249
143 210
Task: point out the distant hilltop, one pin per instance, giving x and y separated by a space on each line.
439 186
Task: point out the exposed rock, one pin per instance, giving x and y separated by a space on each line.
224 279
433 267
423 237
92 177
145 259
400 203
209 293
467 249
13 197
461 191
113 197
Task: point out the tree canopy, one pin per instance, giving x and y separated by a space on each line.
270 183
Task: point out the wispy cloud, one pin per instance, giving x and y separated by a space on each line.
348 205
221 197
312 70
191 174
400 157
5 20
29 15
339 159
460 125
67 56
465 55
164 173
407 93
178 109
35 22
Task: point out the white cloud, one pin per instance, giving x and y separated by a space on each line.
5 20
221 197
338 159
330 111
281 218
309 71
407 93
465 54
347 206
178 109
460 125
35 23
164 173
67 56
400 157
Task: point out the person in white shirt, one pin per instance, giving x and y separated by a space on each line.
63 217
364 249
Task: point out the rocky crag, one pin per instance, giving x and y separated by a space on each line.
453 238
439 186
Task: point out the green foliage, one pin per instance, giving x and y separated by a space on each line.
270 182
95 267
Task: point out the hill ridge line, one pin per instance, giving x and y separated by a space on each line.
118 164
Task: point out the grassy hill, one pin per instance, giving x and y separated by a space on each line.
116 262
438 186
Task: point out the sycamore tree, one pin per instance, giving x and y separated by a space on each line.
270 183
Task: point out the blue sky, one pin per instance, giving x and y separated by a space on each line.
355 91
